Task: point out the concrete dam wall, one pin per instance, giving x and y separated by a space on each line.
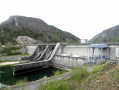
66 55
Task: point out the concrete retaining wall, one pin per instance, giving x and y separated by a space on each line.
67 62
26 67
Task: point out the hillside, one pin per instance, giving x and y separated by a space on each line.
106 78
108 35
34 28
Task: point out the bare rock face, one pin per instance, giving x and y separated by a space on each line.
25 40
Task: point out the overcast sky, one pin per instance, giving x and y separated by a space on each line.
83 18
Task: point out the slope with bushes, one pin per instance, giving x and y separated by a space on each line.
108 35
32 27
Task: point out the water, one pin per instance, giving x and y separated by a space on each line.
7 78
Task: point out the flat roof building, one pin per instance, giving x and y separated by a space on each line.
84 40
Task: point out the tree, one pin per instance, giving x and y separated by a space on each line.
0 47
0 44
8 44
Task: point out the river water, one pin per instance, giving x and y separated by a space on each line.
7 78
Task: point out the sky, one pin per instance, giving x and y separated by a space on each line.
83 18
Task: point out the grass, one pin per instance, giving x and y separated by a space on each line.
1 61
98 67
96 70
59 72
21 81
55 85
15 55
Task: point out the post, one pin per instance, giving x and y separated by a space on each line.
101 53
92 51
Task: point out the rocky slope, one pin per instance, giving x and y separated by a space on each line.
34 28
109 35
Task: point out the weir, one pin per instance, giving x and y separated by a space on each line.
37 60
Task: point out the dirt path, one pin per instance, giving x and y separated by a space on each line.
7 63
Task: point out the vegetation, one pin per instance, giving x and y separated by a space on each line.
10 50
59 72
3 61
79 76
41 33
109 35
19 55
55 85
98 67
34 28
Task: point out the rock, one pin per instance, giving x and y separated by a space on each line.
25 40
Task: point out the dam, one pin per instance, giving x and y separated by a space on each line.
65 56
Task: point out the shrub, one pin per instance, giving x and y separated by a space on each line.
79 74
21 81
49 36
10 50
41 33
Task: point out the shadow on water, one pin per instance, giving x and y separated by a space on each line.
7 77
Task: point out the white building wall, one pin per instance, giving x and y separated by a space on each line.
117 52
31 49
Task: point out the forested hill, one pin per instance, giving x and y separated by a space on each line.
107 36
34 28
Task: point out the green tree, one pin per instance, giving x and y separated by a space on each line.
0 44
0 47
8 44
41 33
